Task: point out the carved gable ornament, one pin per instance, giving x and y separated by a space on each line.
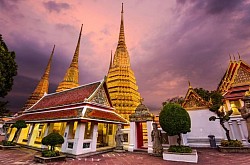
141 114
194 102
242 77
100 97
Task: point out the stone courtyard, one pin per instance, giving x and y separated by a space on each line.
25 156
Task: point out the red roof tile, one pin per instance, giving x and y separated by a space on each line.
236 93
63 114
103 115
72 96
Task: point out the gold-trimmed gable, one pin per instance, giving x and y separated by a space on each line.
237 74
100 97
243 75
193 101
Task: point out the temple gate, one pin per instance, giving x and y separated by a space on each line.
140 129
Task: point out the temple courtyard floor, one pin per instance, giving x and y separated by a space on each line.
23 156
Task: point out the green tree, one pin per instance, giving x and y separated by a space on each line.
175 120
177 100
19 124
52 140
213 96
223 117
8 69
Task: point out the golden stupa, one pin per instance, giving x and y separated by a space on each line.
42 87
121 81
71 78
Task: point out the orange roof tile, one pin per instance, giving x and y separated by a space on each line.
67 97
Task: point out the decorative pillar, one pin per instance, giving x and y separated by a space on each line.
243 139
33 134
231 129
132 137
65 136
78 140
149 130
94 137
45 134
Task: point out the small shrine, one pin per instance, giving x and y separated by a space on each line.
140 129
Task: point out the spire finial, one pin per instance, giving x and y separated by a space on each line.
189 84
121 41
122 7
230 57
141 100
239 56
234 57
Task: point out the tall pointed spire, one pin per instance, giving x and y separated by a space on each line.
71 78
42 87
111 61
121 56
121 81
121 41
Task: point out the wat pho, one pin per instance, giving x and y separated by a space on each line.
88 115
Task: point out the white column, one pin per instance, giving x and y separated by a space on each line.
149 129
94 137
45 134
78 140
132 134
33 134
231 129
243 139
65 136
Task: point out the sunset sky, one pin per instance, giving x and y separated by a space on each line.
170 42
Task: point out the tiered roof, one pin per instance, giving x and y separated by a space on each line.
236 80
90 102
237 74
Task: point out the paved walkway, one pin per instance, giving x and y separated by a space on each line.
24 156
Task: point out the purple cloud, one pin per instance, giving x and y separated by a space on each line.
54 6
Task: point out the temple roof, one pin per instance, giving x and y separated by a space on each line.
237 74
236 93
67 97
141 114
90 114
90 102
193 101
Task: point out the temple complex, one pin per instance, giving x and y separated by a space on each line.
121 80
42 87
71 78
234 84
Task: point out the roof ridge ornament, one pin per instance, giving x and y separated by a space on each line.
230 57
239 56
189 85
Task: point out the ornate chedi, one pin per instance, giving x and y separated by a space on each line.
42 87
234 84
71 77
121 80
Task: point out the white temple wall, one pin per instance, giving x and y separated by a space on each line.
201 127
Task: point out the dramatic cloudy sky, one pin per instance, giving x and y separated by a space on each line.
170 42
